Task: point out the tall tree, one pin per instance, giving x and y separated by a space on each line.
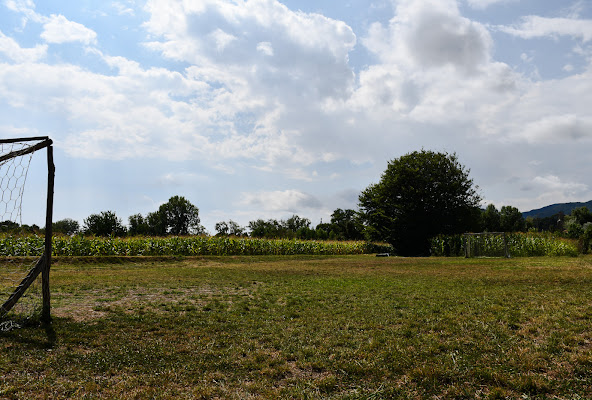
294 223
270 229
138 225
9 226
104 224
420 195
490 219
582 215
229 228
222 228
182 217
157 223
66 226
511 219
347 224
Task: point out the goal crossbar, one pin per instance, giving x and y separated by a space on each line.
25 139
27 150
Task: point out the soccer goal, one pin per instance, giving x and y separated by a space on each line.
25 251
486 244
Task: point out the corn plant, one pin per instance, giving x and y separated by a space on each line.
181 246
519 245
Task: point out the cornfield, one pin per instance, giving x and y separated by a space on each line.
519 245
181 246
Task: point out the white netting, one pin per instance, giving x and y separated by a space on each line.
17 255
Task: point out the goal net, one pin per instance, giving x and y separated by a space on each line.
486 244
25 251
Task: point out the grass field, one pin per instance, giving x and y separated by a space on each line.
308 327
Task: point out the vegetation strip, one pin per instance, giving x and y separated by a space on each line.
181 246
519 245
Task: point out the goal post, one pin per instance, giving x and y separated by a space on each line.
486 244
20 268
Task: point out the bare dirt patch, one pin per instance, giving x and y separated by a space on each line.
97 303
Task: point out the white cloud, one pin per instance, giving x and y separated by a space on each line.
181 178
221 39
257 72
265 48
262 60
310 51
544 112
58 29
526 58
550 189
435 67
10 131
482 4
430 34
143 113
280 201
22 6
122 9
272 85
533 26
547 189
16 53
274 89
554 183
558 129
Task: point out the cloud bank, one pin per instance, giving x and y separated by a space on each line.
256 83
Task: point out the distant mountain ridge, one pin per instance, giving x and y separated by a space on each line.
553 209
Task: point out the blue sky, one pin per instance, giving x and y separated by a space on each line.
264 108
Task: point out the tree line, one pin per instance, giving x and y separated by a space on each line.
179 217
420 195
175 217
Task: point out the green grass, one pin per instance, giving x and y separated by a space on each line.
348 327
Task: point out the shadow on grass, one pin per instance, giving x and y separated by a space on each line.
32 333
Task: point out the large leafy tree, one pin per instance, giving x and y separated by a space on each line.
138 225
229 228
420 195
347 224
294 223
66 226
266 229
511 219
157 223
490 219
175 217
180 217
104 224
273 229
582 215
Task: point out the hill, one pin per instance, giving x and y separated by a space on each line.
553 209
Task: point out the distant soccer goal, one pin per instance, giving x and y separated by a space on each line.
24 270
486 244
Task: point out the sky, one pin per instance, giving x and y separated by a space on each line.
264 108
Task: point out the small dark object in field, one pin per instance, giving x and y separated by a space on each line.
383 255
